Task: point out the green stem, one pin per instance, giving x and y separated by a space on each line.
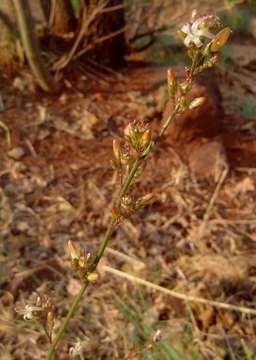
109 231
94 265
65 323
159 136
112 224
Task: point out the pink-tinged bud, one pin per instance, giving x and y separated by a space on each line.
215 58
220 39
128 130
196 103
116 150
114 212
193 15
74 254
170 76
146 137
146 198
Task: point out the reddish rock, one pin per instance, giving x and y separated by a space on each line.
208 159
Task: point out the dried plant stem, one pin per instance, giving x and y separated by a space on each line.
7 131
183 297
109 232
31 47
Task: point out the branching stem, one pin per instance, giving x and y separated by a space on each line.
109 232
117 203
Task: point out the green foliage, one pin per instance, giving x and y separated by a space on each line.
247 353
237 19
135 312
76 7
166 52
252 5
226 59
248 109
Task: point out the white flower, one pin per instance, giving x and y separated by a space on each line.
195 31
28 311
77 350
157 336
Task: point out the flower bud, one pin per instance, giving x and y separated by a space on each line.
73 252
128 130
145 139
146 198
196 103
171 82
212 61
50 320
183 102
116 150
220 39
92 277
114 212
143 200
185 87
193 15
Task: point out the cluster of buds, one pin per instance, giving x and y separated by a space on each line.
138 137
80 262
138 140
41 311
137 144
129 205
204 37
181 89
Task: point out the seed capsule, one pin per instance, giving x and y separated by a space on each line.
220 39
73 252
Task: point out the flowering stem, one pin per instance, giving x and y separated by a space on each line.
108 234
94 265
117 203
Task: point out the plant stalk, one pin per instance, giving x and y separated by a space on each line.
109 231
65 323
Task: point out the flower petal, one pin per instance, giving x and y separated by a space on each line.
188 40
186 28
197 41
207 34
196 24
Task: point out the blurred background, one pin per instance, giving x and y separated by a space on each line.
73 74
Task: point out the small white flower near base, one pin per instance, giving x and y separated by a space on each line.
29 311
77 350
